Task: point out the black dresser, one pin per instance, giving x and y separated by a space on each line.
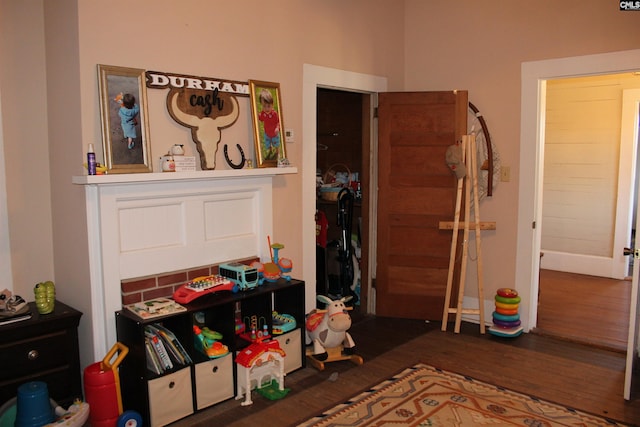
42 348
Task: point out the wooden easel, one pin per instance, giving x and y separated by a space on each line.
468 182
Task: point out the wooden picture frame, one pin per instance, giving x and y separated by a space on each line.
125 131
269 144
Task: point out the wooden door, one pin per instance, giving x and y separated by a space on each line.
416 190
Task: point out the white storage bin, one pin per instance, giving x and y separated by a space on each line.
291 343
214 381
170 397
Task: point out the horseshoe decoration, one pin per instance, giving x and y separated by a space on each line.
233 165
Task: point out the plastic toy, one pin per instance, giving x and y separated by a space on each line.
102 392
506 324
327 331
506 306
506 320
201 286
506 312
208 342
75 416
256 330
259 365
239 329
272 391
505 300
277 268
282 323
507 292
244 276
260 269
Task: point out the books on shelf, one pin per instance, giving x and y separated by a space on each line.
164 350
153 362
175 347
161 352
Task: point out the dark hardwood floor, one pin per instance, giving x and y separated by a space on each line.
588 309
583 377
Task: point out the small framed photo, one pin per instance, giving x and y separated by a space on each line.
124 116
268 127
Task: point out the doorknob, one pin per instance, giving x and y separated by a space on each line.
629 251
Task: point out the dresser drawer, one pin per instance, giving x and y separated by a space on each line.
170 397
214 381
35 354
57 381
291 343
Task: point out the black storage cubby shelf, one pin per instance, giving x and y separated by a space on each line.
208 381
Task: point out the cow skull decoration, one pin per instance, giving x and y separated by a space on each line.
206 113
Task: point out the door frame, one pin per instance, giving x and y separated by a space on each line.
6 275
315 76
534 76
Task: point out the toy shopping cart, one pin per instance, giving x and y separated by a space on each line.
102 391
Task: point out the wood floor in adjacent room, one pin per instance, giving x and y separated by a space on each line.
587 309
583 377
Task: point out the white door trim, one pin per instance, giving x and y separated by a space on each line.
6 275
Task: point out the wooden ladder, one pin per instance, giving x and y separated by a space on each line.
469 182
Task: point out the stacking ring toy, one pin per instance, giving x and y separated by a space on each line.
507 312
512 318
514 300
505 333
507 292
503 324
507 306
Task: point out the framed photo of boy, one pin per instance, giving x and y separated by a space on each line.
125 123
266 110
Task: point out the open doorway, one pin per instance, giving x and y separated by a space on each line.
588 173
343 145
315 77
589 153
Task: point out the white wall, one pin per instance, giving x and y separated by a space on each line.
416 45
25 150
194 38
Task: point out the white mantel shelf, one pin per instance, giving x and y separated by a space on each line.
133 178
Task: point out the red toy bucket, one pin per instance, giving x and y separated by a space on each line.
102 389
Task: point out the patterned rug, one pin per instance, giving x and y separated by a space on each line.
424 396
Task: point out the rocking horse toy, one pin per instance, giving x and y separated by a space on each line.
327 330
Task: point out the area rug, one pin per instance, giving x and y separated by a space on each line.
423 396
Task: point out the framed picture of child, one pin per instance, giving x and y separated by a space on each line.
125 126
268 127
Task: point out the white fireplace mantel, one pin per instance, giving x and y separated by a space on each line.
181 176
152 223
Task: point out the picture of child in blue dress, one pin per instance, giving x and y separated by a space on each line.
269 117
128 113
